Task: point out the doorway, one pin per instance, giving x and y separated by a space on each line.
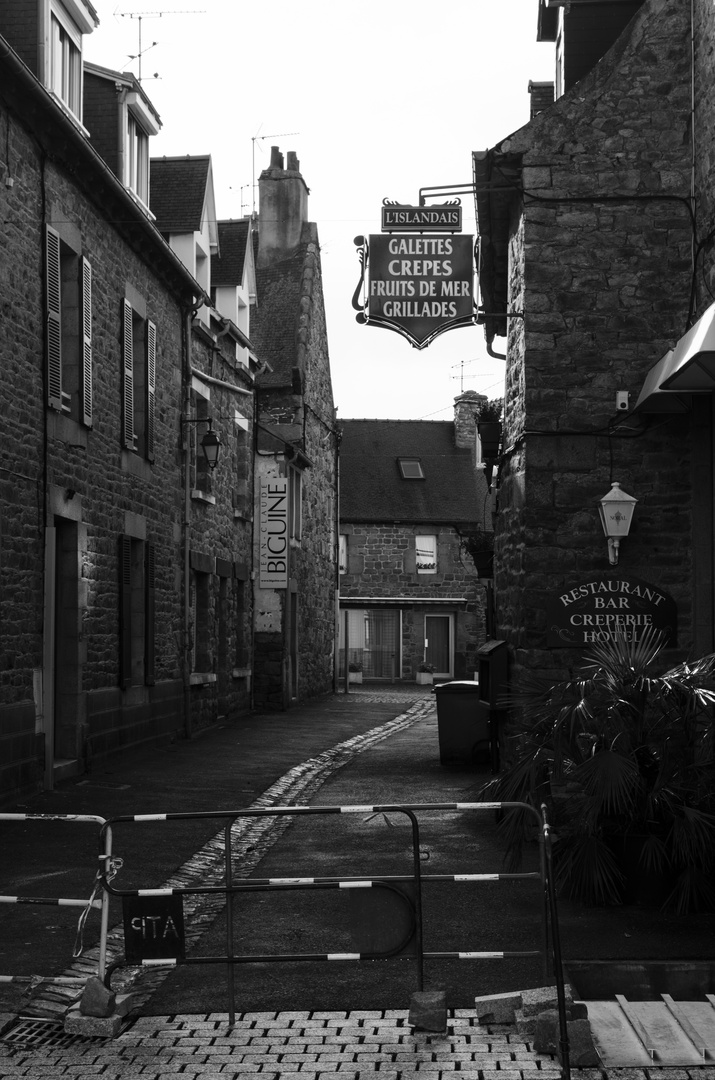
438 645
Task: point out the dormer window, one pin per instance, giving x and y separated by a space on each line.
410 468
140 124
66 60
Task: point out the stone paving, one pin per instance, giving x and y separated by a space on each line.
346 1046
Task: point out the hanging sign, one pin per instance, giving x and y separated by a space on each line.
419 286
398 218
604 607
153 928
273 533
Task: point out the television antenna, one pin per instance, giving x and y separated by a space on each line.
260 138
461 365
139 16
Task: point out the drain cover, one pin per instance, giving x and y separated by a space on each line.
33 1033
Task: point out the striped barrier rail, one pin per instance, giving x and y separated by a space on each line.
98 899
409 887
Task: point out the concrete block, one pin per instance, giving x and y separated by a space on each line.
497 1008
6 1021
525 1025
428 1010
546 1032
544 997
582 1051
97 999
103 1027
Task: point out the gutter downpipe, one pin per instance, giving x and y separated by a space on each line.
186 443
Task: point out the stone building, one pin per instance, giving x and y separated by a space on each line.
295 549
596 223
124 560
413 503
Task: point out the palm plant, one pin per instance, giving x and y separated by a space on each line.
619 752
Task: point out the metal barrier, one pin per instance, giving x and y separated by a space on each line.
95 901
164 925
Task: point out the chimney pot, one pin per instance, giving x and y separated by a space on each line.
276 158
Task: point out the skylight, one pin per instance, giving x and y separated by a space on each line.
410 468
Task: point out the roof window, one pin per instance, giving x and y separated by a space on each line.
410 468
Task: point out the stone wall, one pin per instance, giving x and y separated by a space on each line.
600 264
382 564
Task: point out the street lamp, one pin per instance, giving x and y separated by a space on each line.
210 444
616 510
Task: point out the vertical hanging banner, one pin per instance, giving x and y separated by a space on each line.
417 284
273 533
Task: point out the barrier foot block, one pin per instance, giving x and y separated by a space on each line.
106 1027
428 1010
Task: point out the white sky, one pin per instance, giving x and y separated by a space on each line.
378 99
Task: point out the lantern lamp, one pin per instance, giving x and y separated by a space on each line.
616 510
210 444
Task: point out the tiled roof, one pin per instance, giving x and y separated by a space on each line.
177 192
372 488
227 267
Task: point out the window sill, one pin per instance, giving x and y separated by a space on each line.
241 673
202 496
202 678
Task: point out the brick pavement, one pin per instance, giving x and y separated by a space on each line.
309 1045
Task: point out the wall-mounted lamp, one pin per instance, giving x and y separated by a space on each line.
210 444
616 510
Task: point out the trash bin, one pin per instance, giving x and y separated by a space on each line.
462 726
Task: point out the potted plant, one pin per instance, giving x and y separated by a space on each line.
624 758
355 671
425 673
479 545
489 427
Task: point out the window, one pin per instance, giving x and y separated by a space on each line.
137 161
69 330
295 501
201 474
66 61
426 551
200 600
411 468
136 611
343 553
139 383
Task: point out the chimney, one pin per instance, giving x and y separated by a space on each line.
466 410
282 208
542 95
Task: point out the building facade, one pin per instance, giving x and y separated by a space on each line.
413 506
596 221
126 558
295 547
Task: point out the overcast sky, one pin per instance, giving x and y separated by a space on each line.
378 100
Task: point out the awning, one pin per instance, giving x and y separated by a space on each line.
689 368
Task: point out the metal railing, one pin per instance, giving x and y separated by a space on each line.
98 899
412 899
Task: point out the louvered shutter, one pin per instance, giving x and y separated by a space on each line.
128 379
54 320
125 611
149 629
150 389
86 387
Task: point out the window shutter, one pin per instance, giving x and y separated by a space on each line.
150 389
149 644
86 387
128 382
125 611
54 320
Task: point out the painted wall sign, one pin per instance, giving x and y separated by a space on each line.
604 606
420 286
397 218
273 533
153 928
